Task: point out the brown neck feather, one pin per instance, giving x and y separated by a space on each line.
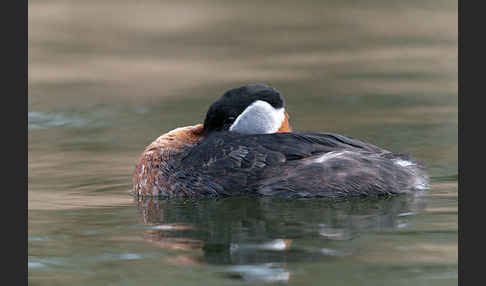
285 125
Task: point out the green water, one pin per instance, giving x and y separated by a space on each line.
108 77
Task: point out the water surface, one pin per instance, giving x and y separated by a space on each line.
108 77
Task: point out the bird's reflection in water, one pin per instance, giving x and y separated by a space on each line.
257 237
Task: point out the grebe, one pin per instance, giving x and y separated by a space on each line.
246 146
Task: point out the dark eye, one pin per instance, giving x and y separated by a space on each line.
228 122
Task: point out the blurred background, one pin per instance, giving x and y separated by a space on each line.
107 77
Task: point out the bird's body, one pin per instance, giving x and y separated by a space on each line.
228 159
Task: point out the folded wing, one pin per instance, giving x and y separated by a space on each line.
300 165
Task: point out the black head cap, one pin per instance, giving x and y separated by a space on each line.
225 110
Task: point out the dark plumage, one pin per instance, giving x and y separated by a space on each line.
214 161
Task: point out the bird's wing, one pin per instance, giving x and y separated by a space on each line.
230 150
295 165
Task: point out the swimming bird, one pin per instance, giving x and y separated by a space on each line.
246 147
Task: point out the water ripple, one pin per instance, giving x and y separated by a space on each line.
41 120
269 272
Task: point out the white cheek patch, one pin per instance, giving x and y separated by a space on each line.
259 118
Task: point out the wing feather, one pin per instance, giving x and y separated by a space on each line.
299 165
